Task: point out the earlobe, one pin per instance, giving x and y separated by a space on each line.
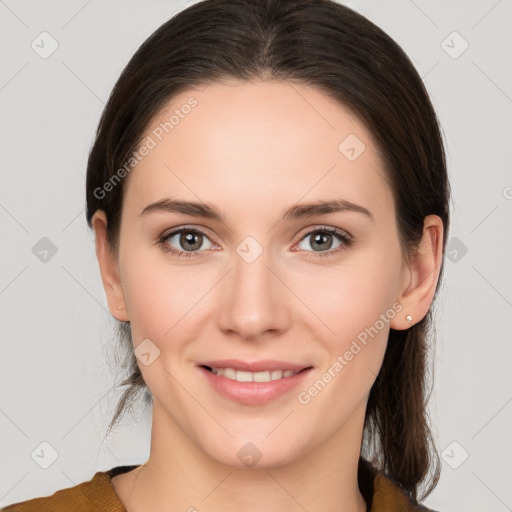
108 268
423 274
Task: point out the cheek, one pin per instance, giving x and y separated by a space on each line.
151 305
162 300
351 296
350 308
357 314
159 295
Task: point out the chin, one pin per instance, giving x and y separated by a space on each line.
260 453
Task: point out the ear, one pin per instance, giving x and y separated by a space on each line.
109 268
421 276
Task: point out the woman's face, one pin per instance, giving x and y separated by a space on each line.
271 280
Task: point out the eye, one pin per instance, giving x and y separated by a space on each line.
324 238
189 241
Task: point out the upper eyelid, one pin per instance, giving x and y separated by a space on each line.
172 231
328 228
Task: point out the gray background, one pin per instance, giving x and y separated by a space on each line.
57 371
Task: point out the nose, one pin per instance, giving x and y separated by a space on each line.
253 300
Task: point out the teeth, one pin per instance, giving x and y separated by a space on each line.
245 376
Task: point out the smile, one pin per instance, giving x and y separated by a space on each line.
246 376
253 383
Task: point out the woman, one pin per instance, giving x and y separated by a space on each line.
242 137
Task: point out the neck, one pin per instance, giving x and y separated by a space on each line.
179 476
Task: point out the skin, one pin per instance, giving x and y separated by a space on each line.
253 149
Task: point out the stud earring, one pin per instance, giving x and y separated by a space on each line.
409 318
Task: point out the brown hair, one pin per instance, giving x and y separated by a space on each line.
329 46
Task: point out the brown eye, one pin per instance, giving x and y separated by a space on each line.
321 241
190 241
325 240
185 242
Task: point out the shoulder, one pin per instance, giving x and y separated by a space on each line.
94 495
387 495
382 493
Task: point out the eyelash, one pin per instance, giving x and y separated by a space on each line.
345 239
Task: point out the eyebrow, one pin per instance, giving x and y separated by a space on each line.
295 212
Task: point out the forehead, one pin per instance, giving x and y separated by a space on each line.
254 144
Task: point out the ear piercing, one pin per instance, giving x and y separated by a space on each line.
409 318
120 307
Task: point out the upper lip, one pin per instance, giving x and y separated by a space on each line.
254 366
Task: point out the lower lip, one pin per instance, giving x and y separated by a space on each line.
253 393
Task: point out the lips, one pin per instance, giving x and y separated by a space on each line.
253 383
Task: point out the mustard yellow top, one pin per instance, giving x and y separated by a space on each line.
98 495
